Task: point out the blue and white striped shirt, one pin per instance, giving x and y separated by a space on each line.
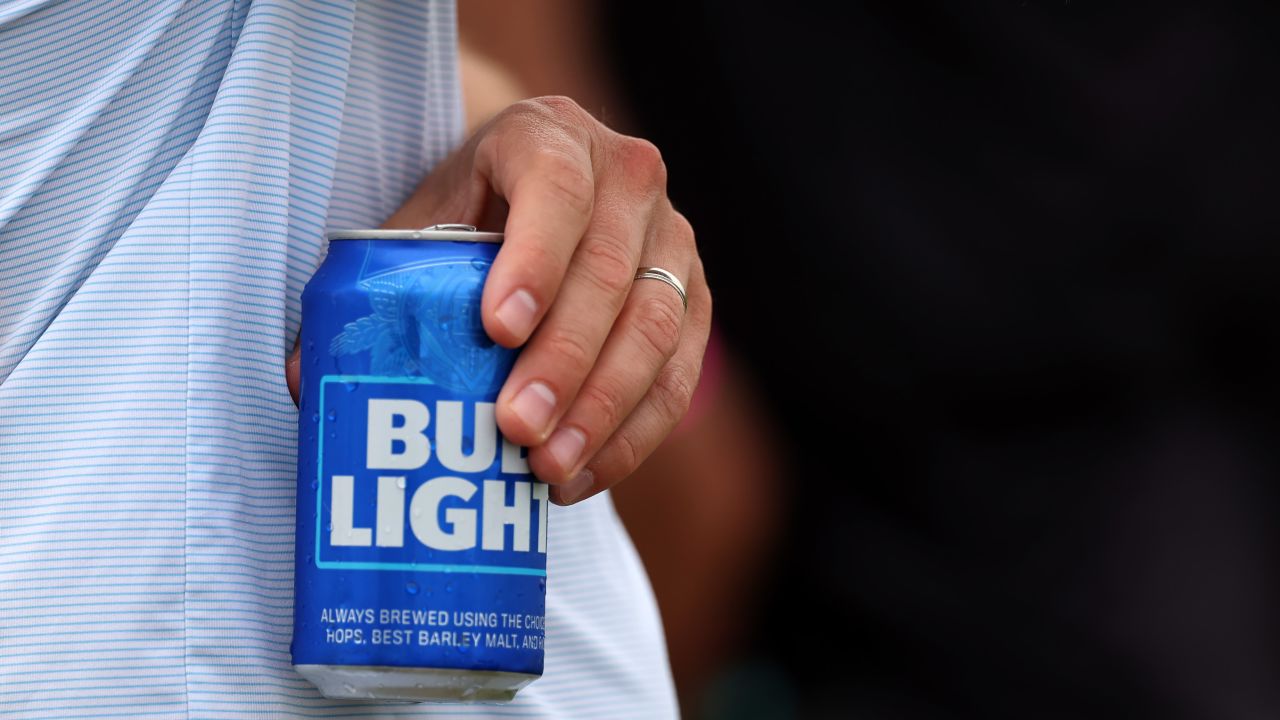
167 172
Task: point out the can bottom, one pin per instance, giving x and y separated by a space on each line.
384 682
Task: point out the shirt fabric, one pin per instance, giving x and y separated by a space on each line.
167 173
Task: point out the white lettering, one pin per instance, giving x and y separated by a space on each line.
449 417
497 515
424 511
341 532
383 433
540 494
391 511
513 458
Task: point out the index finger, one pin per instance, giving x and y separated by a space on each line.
546 176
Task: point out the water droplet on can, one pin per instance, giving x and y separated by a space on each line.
411 587
332 415
400 483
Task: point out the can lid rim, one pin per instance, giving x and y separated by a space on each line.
424 234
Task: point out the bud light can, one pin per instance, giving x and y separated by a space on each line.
421 534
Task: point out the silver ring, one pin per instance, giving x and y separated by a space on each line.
666 276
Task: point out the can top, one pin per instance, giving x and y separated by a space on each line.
465 233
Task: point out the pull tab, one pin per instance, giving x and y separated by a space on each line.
450 227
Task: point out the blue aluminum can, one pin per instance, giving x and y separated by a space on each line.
421 534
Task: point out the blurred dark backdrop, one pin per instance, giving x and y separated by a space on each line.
1008 275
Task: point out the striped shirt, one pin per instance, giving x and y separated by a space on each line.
167 170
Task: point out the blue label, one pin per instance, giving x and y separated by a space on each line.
417 478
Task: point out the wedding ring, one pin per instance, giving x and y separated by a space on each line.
666 276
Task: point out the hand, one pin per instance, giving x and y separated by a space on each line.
610 363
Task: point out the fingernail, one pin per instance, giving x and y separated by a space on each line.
534 405
581 483
566 447
517 313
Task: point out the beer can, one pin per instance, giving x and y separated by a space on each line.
421 533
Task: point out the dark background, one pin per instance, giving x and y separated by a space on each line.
1007 275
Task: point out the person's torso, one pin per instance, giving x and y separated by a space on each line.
167 173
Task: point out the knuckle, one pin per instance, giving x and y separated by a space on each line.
528 109
570 348
558 105
552 116
574 122
608 264
642 159
705 303
629 453
683 229
673 390
700 298
605 399
657 322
